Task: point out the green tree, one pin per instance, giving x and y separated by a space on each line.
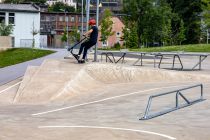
58 6
133 37
106 26
190 12
158 27
35 1
152 18
164 30
125 36
5 30
64 36
21 1
13 1
181 33
206 12
166 35
137 11
130 36
74 35
34 32
79 6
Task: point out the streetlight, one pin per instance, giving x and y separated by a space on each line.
67 27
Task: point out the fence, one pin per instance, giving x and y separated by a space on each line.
26 43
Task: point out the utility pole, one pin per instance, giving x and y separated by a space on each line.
67 28
82 17
87 14
97 23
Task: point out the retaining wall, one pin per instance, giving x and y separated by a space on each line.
5 42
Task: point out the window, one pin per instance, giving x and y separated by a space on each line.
47 18
118 34
12 18
42 18
72 19
52 18
66 19
2 17
105 43
61 18
80 19
85 19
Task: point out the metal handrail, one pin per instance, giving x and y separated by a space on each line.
177 106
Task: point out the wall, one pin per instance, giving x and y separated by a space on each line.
6 42
58 43
23 28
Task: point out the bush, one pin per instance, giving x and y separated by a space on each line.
5 30
117 46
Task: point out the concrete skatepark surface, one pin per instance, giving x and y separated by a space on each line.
63 100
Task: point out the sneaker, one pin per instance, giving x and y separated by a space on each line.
81 61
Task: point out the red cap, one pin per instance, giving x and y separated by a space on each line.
92 22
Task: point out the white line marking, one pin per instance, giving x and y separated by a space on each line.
112 128
110 98
10 87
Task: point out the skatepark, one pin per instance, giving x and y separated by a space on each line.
61 99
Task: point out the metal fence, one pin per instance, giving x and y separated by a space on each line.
26 43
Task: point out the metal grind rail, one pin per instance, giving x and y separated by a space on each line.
201 56
176 57
178 93
110 56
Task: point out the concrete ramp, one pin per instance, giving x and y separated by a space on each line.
45 82
59 81
108 73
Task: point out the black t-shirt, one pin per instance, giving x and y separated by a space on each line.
94 34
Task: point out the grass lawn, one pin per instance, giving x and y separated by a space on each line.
18 55
185 48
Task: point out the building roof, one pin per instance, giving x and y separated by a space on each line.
19 8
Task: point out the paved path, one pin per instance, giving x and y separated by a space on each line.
10 73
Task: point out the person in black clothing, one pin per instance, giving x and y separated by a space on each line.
93 34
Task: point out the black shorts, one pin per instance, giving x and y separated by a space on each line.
88 44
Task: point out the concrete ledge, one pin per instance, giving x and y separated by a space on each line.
6 42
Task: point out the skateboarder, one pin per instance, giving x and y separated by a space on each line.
93 34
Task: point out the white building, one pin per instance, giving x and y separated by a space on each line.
69 2
25 19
